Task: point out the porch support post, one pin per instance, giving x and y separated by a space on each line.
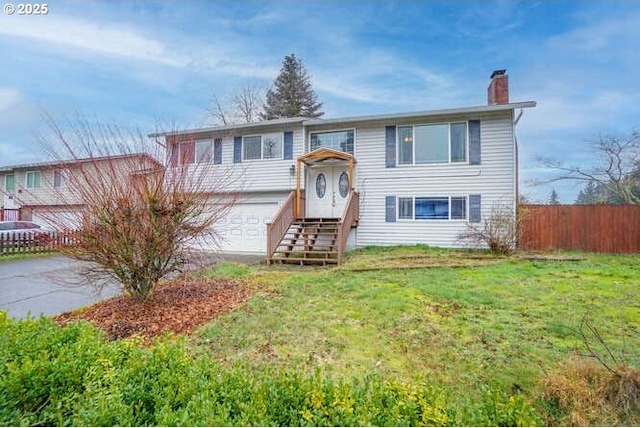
298 188
350 172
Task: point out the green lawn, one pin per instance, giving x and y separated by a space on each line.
464 320
394 337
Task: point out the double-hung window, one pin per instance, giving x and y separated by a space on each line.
267 146
434 143
10 182
337 140
60 178
183 153
33 179
432 208
204 151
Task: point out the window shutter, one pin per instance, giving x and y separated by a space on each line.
474 142
475 208
390 209
217 151
390 146
237 149
174 153
288 145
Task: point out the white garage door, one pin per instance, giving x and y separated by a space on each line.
244 229
57 218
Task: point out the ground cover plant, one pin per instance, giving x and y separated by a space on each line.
395 336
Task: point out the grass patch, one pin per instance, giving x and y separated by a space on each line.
225 270
465 320
20 256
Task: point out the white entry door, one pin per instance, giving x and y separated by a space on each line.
327 191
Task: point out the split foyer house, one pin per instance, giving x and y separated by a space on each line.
39 192
315 187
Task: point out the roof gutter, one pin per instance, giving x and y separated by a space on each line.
443 112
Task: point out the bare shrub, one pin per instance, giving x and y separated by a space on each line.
499 232
584 392
598 388
138 210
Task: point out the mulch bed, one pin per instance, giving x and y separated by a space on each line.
179 307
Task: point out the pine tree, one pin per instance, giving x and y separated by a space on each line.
553 199
292 94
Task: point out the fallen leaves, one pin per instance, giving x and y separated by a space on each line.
179 307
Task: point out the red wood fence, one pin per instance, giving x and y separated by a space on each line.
34 242
597 228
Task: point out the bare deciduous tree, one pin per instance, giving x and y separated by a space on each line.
242 105
139 213
617 172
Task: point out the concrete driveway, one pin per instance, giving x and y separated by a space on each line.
45 285
51 285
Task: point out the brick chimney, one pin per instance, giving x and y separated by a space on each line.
498 92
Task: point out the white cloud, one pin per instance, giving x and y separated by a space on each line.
92 36
602 34
9 97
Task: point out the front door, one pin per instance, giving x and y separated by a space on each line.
327 191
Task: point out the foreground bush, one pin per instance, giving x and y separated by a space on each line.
583 392
72 376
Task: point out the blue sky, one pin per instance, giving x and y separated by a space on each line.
145 63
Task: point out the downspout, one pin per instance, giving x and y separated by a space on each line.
517 156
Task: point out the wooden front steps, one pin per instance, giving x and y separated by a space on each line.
309 241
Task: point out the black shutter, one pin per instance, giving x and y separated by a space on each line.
474 142
288 145
390 146
390 209
237 149
217 151
475 208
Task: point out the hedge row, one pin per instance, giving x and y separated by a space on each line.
73 376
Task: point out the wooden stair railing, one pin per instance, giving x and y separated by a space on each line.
281 222
349 219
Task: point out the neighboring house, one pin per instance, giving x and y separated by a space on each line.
40 191
313 186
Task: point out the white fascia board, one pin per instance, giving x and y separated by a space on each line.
442 112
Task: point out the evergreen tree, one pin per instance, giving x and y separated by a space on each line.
292 94
553 199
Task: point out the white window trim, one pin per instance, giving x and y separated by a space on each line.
435 220
180 145
326 131
413 148
26 179
262 159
